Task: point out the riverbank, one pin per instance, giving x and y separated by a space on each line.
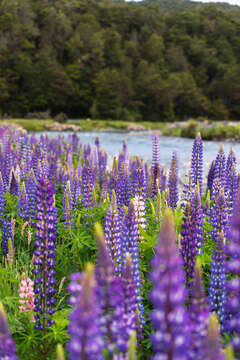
221 130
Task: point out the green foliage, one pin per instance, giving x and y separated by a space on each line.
151 60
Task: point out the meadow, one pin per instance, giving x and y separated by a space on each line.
111 259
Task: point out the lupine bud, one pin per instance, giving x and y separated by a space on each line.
212 349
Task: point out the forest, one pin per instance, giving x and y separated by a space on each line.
120 60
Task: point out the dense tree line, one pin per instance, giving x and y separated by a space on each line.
112 59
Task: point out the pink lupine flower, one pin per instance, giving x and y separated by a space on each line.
26 294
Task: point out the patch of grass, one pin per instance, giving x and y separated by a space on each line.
30 124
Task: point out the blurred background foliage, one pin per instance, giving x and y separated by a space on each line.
151 60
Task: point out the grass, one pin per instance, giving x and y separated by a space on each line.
189 129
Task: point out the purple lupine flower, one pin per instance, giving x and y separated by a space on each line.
129 297
86 341
14 187
130 240
139 183
110 298
23 203
199 313
6 235
31 187
169 318
67 206
44 255
188 244
233 285
112 231
173 182
2 199
217 284
155 164
231 188
197 162
212 349
210 176
140 212
87 185
219 215
113 176
7 346
76 190
197 217
104 186
123 186
220 167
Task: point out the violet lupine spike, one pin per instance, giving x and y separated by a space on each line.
219 215
197 217
197 162
129 297
31 187
155 163
44 255
67 206
233 284
110 297
2 199
23 204
123 187
139 183
7 346
212 349
76 190
217 284
112 231
140 211
113 176
169 318
130 244
231 188
188 244
173 182
104 186
86 341
14 187
220 167
6 235
210 177
87 185
199 313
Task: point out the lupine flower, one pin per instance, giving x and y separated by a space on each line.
7 346
113 176
217 285
169 318
233 285
14 187
173 182
87 185
139 183
130 244
210 177
220 167
26 294
123 187
188 244
197 162
110 297
31 187
44 256
112 231
199 313
155 163
2 199
140 212
86 341
67 206
6 235
23 203
219 215
212 348
197 217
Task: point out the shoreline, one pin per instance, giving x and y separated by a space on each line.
221 130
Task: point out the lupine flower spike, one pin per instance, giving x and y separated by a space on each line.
212 349
168 297
7 346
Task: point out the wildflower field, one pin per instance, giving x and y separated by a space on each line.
110 259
